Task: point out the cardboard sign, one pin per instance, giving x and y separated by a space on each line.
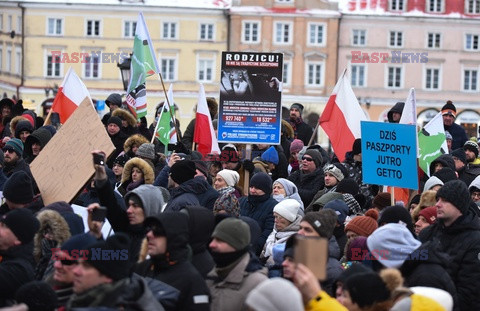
389 154
313 253
250 98
65 164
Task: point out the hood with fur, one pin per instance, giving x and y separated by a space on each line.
148 174
56 225
125 115
135 139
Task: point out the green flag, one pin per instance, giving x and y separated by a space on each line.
166 132
431 143
143 64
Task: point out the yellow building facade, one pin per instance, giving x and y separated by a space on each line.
50 38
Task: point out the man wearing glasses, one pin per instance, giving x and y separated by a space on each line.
65 259
310 178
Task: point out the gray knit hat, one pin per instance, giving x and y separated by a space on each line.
147 151
316 156
234 232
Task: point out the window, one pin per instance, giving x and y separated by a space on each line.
472 7
471 42
470 80
285 1
93 28
358 76
316 34
129 29
397 5
396 39
286 75
9 23
314 74
169 30
1 21
433 41
19 24
53 66
167 68
1 59
435 6
206 31
251 32
394 77
283 33
92 66
8 61
18 60
205 70
55 26
359 37
432 78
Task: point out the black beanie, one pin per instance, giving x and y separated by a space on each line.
111 257
22 223
18 188
348 185
37 295
182 171
460 154
115 120
23 125
366 289
357 146
262 181
446 174
449 108
396 214
455 192
472 146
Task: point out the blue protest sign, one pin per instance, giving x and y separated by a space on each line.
389 155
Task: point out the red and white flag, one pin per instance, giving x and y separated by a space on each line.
341 118
70 95
204 135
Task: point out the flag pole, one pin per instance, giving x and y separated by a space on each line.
313 134
156 127
170 109
49 115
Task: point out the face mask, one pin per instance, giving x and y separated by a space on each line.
278 197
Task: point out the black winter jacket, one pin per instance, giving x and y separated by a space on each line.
308 184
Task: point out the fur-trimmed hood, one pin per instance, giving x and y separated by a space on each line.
287 129
125 115
148 174
135 139
428 198
14 122
59 229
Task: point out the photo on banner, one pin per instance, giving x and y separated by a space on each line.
250 98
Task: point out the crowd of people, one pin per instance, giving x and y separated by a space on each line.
222 232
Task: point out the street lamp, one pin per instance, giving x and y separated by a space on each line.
53 89
125 71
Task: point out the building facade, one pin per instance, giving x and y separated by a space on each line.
390 46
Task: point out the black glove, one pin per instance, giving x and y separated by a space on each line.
180 148
248 165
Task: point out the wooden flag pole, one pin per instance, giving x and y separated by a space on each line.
156 127
313 134
49 116
170 108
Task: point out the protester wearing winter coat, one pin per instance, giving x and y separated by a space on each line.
259 205
135 173
167 238
457 233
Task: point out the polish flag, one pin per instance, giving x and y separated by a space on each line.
341 118
70 95
204 135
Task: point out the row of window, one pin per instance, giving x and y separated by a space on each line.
93 28
432 78
433 40
435 6
10 26
283 33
